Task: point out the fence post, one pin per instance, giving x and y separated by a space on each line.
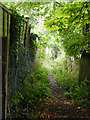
1 31
4 40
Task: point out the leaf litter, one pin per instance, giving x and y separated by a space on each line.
59 106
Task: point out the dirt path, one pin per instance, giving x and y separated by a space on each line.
59 106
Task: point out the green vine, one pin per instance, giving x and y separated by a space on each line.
16 24
33 45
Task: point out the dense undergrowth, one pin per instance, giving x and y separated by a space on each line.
69 81
31 93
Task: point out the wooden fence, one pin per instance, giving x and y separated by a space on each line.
5 25
5 17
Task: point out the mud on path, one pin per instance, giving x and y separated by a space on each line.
59 106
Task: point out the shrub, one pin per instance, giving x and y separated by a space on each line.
33 91
79 93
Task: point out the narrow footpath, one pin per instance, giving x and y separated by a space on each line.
59 106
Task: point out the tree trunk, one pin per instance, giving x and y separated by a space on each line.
84 71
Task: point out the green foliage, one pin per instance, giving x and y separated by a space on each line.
69 82
62 73
17 23
70 14
33 45
33 90
33 9
36 85
69 21
17 98
79 93
73 42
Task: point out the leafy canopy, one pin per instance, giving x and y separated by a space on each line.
71 14
69 20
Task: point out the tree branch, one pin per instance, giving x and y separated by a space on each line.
79 13
59 4
18 4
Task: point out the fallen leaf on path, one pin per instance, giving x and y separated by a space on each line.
48 116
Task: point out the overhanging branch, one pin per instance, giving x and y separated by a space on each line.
59 4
